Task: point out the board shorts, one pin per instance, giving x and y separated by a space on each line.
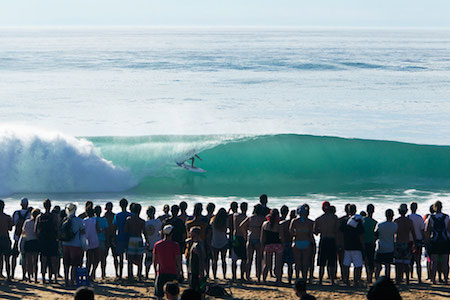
288 254
369 255
5 246
135 246
121 247
327 253
353 256
273 248
440 247
238 249
72 255
49 248
402 253
384 258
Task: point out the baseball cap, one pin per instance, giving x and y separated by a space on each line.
167 229
326 205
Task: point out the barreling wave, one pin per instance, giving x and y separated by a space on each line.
50 162
280 165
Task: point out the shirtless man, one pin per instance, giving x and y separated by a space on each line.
251 231
288 256
6 225
402 251
327 226
301 230
135 227
183 214
166 215
238 250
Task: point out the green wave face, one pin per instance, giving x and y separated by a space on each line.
279 165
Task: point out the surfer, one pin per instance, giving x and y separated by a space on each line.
192 159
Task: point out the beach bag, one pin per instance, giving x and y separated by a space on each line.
215 290
67 233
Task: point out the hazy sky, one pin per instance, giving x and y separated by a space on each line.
385 13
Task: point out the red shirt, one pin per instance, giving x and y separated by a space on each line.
166 255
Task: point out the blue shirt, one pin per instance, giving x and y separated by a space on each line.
119 221
102 225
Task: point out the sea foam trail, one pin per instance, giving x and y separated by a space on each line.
50 162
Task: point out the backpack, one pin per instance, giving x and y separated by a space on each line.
47 228
20 221
67 234
439 230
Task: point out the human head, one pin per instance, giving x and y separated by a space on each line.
263 200
347 208
303 211
198 208
151 212
403 209
300 287
190 294
437 207
370 209
195 233
352 209
56 209
71 209
293 214
284 211
136 209
326 206
98 210
244 207
90 211
274 217
183 206
172 290
413 207
432 211
333 209
109 206
24 203
210 207
84 293
363 214
2 205
123 203
389 215
35 212
258 210
167 230
383 289
166 209
47 204
220 220
234 206
175 209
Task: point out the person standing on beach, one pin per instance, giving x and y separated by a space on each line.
419 227
31 245
84 215
72 229
402 251
438 234
353 231
198 221
238 249
6 225
135 227
153 234
302 229
196 258
219 241
288 255
47 230
19 217
340 239
210 208
369 241
122 236
384 254
167 261
231 212
251 230
111 235
327 226
102 225
92 246
271 239
263 200
166 215
183 214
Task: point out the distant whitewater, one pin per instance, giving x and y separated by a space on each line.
281 165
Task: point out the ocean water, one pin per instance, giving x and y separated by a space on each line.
304 115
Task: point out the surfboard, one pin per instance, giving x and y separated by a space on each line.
190 168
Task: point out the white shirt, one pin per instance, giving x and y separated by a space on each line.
152 229
28 230
91 233
419 226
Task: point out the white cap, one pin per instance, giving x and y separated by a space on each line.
167 230
71 209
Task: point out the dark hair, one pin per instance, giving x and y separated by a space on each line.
437 206
136 209
259 210
84 293
88 204
109 204
123 203
370 208
347 207
2 204
263 199
244 206
234 206
413 206
274 217
210 207
98 210
389 214
300 285
183 205
89 211
47 203
352 209
383 289
190 294
174 210
220 220
172 288
151 210
284 210
198 208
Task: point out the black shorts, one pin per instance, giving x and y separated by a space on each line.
5 246
161 280
384 258
49 248
369 254
327 252
31 246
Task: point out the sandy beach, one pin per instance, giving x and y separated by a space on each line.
116 289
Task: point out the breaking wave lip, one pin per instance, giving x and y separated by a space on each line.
38 161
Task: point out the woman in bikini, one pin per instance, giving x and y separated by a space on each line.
251 230
273 244
302 231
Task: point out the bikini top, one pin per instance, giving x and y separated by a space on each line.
272 237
